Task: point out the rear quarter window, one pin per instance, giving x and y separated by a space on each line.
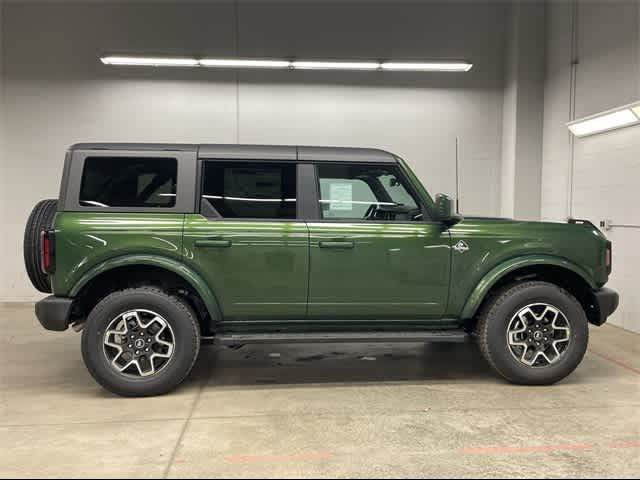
129 182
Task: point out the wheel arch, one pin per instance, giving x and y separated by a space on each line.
555 270
133 270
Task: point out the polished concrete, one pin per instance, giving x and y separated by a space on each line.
330 410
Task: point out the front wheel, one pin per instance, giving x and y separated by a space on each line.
140 342
533 333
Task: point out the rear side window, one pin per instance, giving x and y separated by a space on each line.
129 182
250 190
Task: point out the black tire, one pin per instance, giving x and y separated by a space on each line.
41 218
496 316
177 314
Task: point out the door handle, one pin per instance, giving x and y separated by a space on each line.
216 243
336 244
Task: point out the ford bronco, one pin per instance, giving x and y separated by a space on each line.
151 249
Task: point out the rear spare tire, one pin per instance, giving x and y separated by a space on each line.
41 218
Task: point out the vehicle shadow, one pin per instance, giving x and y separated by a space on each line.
339 363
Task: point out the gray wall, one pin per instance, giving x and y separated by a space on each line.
595 177
58 93
3 272
522 111
509 118
607 47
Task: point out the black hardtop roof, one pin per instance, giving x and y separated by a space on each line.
254 152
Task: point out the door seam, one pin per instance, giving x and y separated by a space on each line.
306 313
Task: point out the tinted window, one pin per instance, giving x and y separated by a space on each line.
250 190
128 182
365 192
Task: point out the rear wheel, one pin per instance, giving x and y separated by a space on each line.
533 333
41 219
140 342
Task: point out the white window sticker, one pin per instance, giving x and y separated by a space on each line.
341 196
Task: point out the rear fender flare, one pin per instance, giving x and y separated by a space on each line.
175 266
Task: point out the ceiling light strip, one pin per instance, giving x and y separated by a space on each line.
151 61
615 118
243 63
329 65
427 66
441 66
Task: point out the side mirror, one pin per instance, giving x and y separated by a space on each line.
445 211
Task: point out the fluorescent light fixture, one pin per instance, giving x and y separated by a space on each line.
243 63
151 61
402 66
609 120
452 66
330 65
427 66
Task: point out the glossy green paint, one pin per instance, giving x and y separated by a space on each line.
490 279
259 270
499 246
382 271
322 274
85 240
88 244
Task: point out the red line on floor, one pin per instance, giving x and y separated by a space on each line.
617 362
541 448
626 445
278 458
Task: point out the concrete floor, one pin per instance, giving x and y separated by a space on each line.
317 411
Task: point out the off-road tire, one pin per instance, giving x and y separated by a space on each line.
494 319
178 315
41 218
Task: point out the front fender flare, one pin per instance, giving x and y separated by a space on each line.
489 280
175 266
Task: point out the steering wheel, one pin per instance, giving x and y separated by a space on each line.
372 208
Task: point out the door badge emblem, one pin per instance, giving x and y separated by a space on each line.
461 246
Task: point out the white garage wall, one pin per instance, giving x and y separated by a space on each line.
2 153
605 174
522 111
602 191
415 116
58 93
555 145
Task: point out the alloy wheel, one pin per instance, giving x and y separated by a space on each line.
139 343
538 335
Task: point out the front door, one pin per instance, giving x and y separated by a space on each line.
247 241
373 255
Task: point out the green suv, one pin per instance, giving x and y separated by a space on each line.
153 248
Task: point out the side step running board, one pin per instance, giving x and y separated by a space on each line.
455 336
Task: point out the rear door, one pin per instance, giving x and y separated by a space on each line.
247 240
374 255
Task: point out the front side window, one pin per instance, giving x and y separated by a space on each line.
250 190
366 192
129 182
